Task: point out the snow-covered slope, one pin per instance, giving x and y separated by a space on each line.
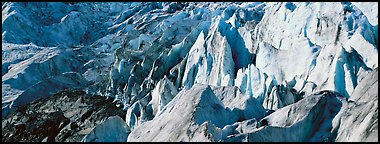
310 119
359 120
284 63
185 111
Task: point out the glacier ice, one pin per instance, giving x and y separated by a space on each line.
309 122
369 10
201 71
162 94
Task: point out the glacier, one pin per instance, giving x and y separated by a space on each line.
197 71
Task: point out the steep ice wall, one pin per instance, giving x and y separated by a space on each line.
253 82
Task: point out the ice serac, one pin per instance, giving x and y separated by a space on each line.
359 120
113 129
153 44
162 94
195 63
252 82
338 70
211 59
303 39
181 117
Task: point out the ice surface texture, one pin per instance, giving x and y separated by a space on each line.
202 71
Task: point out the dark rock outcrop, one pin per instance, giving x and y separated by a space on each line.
65 116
